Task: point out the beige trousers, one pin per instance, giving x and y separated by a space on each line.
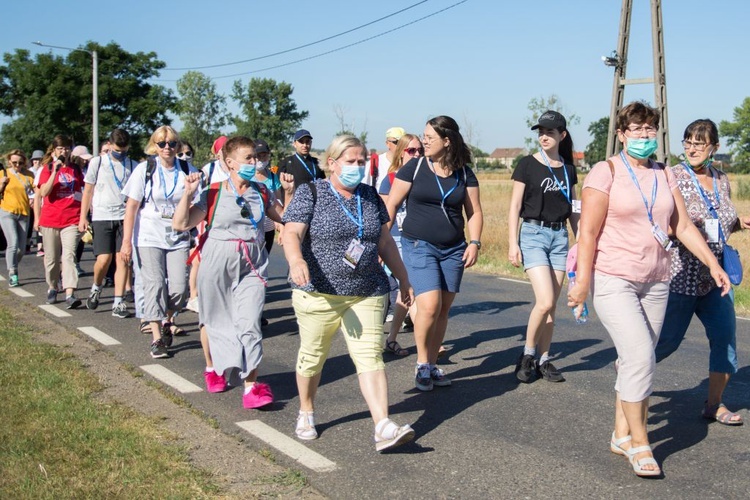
60 245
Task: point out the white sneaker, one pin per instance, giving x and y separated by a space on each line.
306 426
192 305
393 436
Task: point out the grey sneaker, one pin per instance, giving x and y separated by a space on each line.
423 378
438 378
526 367
93 301
72 302
51 296
121 311
159 350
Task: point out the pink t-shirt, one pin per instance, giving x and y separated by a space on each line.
626 247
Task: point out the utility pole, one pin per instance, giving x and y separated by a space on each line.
619 60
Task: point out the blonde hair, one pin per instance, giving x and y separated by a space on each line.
398 153
16 152
341 143
163 133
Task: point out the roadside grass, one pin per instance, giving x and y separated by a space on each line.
60 441
496 190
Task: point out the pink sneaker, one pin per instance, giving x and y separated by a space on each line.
259 396
215 382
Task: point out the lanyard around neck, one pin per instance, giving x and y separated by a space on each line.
444 196
304 164
564 189
241 201
358 221
702 191
168 196
124 172
649 210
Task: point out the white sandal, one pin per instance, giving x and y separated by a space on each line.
615 445
306 426
638 464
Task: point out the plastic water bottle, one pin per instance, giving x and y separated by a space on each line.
584 311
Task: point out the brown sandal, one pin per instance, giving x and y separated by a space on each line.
394 348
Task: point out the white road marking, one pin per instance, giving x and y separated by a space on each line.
170 378
21 292
288 446
98 335
515 281
54 311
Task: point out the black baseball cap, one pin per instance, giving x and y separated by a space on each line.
551 119
261 146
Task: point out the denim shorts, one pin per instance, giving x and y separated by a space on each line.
432 268
542 246
718 318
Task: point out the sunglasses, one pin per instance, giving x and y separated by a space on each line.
16 163
244 210
163 144
185 155
414 151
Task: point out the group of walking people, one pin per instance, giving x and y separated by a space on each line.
654 248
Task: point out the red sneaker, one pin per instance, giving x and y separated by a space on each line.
260 395
214 382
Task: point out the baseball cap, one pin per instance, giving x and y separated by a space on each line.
218 144
38 154
302 133
81 152
551 119
261 146
395 132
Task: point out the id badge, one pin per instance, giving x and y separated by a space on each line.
661 237
400 216
712 230
354 253
167 211
576 206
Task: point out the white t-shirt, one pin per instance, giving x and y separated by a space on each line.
383 165
219 175
108 176
153 222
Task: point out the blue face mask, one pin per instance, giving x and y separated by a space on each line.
246 172
642 148
119 155
351 175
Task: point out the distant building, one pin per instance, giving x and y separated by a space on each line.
505 156
580 161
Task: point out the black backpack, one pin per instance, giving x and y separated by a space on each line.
150 167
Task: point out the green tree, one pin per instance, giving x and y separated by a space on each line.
597 148
202 111
537 106
52 94
737 134
268 112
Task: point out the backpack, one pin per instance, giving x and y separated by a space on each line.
212 200
149 180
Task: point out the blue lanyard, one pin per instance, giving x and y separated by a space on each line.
702 192
243 201
358 221
649 211
164 182
311 172
124 172
443 194
564 189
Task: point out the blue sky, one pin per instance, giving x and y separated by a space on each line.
480 62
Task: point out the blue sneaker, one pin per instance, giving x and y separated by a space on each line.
423 378
51 296
438 377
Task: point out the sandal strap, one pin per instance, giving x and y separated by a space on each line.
639 449
619 442
727 416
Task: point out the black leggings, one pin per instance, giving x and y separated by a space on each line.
270 235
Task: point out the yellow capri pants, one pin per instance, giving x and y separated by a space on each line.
319 317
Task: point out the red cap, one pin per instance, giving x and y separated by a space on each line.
218 144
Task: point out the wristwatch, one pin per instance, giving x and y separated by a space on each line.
477 243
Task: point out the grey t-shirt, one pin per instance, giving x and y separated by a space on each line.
228 223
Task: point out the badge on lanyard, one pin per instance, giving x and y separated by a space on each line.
576 206
355 250
712 230
354 253
167 211
400 216
661 237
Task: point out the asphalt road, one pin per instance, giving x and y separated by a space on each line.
484 437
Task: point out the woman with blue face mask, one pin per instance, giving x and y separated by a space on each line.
335 230
629 205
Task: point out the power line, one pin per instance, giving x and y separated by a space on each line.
300 46
343 47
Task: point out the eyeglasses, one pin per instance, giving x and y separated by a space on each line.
429 139
414 151
698 146
186 154
244 209
16 163
649 131
163 144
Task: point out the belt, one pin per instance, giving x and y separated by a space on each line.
555 226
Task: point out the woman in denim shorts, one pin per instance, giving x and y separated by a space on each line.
544 198
438 188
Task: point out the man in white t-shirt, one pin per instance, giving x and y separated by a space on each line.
376 175
106 176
